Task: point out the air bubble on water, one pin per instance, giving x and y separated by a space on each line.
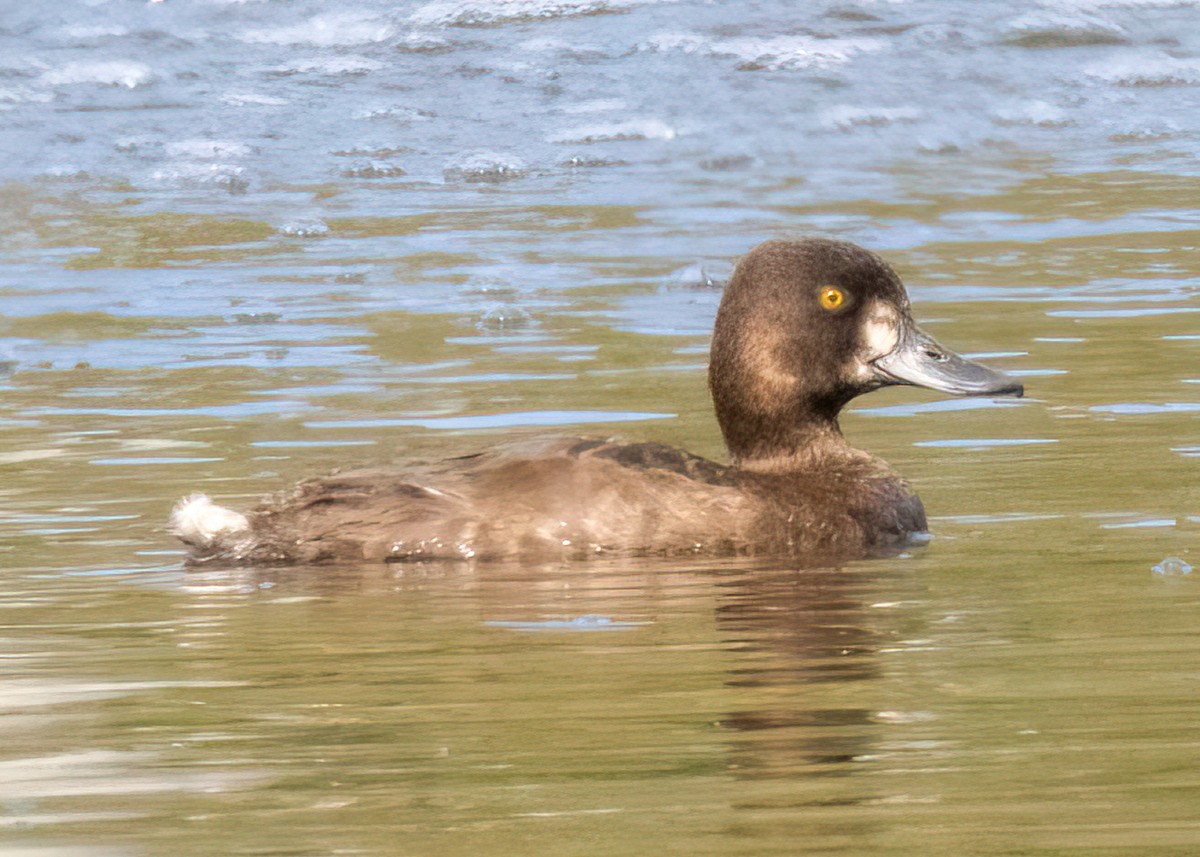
424 43
584 162
500 318
615 132
486 167
1172 566
705 275
228 177
304 228
396 113
374 170
256 317
491 288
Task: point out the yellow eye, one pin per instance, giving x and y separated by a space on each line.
832 298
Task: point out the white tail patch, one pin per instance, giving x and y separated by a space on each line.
200 522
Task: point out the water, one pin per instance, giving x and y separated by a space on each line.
241 243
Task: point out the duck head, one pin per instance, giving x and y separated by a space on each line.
804 327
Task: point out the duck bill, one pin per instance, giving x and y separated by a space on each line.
919 360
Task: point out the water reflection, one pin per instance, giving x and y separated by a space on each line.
788 641
42 784
793 632
455 703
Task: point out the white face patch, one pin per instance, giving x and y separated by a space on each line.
880 335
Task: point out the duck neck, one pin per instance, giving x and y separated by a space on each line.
800 447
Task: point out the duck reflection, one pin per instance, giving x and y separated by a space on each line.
800 637
785 666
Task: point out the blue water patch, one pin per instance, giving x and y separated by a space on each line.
940 406
304 444
494 378
993 355
1147 408
124 571
243 409
516 418
590 622
25 518
547 349
345 388
1003 518
1145 523
507 339
1120 313
150 461
984 443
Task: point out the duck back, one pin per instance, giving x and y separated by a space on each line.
573 498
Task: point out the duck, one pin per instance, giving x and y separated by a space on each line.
803 327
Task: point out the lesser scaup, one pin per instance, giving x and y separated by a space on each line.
803 327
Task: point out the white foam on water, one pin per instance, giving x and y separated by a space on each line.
95 31
207 150
1035 112
342 64
774 53
688 43
252 99
1144 71
404 114
1073 25
490 12
125 73
486 167
633 129
229 176
1089 5
846 118
795 52
11 95
329 30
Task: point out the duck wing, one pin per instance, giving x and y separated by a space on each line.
547 499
